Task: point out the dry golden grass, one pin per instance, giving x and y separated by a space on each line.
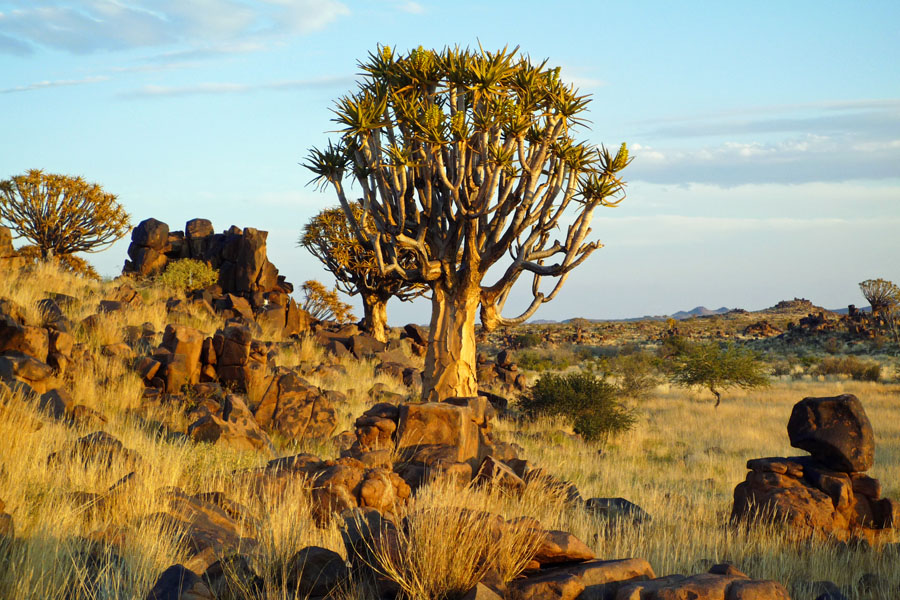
680 463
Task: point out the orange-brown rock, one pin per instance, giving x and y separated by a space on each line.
295 409
230 424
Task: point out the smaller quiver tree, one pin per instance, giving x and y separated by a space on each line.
884 298
329 238
61 215
323 304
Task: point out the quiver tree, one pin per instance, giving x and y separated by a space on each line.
463 158
61 215
323 304
329 238
881 294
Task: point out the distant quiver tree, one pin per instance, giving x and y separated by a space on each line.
61 215
463 158
328 236
881 294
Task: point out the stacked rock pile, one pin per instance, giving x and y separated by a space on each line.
249 286
828 493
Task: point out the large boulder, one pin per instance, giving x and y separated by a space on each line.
439 431
231 424
295 409
835 430
151 233
179 583
17 369
33 341
315 572
718 584
250 259
185 341
811 500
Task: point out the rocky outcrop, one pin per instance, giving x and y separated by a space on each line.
249 286
828 493
502 374
239 255
295 409
229 423
10 260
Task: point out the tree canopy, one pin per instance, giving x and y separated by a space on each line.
715 367
328 237
61 215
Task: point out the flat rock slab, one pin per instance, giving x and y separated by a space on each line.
707 586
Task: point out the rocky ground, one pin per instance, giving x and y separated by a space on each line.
221 444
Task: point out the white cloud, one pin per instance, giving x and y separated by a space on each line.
103 25
40 85
413 8
805 158
158 91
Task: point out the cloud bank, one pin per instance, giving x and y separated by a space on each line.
88 26
833 141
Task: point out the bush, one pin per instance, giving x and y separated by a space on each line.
588 402
188 274
544 360
526 340
636 374
857 369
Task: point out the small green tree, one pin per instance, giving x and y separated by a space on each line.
715 367
61 215
590 403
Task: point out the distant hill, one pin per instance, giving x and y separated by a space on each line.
699 311
845 310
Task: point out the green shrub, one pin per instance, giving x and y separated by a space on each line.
588 402
636 374
857 369
544 360
526 340
188 274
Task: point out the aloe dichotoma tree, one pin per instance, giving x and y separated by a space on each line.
464 159
329 237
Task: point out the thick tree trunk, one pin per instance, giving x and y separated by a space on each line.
450 368
375 315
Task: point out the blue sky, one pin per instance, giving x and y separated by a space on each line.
766 135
